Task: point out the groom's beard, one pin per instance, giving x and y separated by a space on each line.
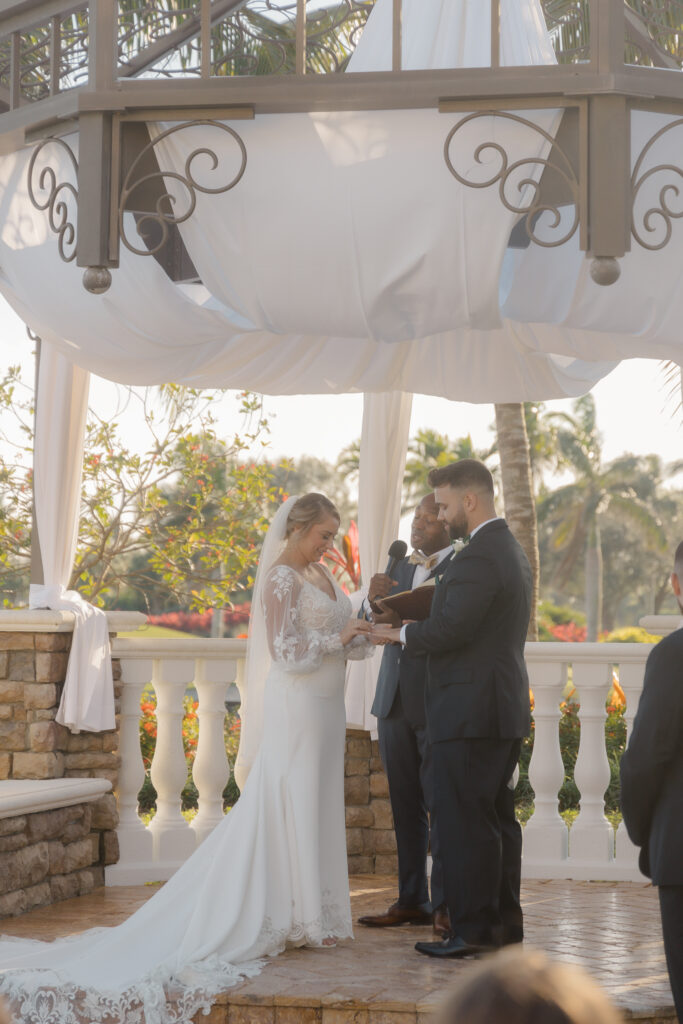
458 529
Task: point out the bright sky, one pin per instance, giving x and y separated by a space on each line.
634 413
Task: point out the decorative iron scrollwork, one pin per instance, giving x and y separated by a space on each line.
656 219
164 217
57 197
509 176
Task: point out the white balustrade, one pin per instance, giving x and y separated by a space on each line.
631 682
211 769
592 837
173 841
587 850
154 852
135 841
545 833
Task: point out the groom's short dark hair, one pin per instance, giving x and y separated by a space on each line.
464 474
678 562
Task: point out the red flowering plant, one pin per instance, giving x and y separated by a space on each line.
200 622
345 564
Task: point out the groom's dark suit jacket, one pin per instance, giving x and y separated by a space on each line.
477 683
400 670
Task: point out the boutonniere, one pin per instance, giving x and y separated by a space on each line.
457 546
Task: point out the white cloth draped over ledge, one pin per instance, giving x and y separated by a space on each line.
87 702
348 258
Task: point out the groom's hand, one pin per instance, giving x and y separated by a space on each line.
387 616
385 635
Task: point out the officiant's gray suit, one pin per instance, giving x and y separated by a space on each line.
399 705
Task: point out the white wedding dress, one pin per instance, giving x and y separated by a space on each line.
273 873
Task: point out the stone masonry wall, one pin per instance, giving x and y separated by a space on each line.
370 839
34 746
49 856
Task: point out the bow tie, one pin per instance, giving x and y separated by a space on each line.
428 561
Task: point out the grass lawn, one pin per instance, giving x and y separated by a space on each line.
158 633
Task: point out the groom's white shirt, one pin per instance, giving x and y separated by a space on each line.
442 554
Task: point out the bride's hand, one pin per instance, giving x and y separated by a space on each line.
354 628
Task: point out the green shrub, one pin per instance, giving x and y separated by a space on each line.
631 635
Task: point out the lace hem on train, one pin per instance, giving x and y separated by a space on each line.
44 996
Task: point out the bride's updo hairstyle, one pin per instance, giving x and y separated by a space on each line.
308 510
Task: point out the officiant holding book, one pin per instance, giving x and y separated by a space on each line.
399 706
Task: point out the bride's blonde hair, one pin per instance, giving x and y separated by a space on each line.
308 510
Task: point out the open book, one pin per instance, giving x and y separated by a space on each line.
411 604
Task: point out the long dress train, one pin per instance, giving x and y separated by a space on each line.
273 873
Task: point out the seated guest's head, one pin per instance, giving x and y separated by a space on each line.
525 987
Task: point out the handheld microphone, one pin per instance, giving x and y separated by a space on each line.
397 551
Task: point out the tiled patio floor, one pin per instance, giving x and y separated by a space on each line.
611 929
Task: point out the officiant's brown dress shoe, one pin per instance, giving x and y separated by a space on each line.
441 922
396 915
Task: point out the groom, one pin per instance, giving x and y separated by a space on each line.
477 706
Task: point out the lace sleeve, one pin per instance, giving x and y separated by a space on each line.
292 646
359 649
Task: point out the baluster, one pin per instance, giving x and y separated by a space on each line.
495 33
300 39
591 841
205 37
174 840
15 71
397 36
241 683
211 769
135 841
55 53
545 834
631 682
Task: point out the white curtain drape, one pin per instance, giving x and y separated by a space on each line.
349 259
87 701
383 448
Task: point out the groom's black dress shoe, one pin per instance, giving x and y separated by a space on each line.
452 947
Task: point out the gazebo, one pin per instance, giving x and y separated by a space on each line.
471 200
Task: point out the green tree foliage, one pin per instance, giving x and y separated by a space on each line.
186 515
625 490
429 449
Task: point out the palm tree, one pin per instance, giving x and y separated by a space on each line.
518 491
624 488
428 450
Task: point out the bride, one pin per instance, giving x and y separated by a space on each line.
273 873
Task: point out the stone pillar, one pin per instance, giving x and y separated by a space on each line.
33 662
370 839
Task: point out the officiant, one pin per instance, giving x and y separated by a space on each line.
401 725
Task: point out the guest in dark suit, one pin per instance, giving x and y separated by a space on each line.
477 706
402 730
652 786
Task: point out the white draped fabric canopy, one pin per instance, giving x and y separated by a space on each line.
348 258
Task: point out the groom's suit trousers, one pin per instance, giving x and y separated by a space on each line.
475 808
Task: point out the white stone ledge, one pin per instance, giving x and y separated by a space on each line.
197 647
26 620
542 650
26 796
661 625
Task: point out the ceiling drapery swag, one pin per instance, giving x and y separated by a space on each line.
474 200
